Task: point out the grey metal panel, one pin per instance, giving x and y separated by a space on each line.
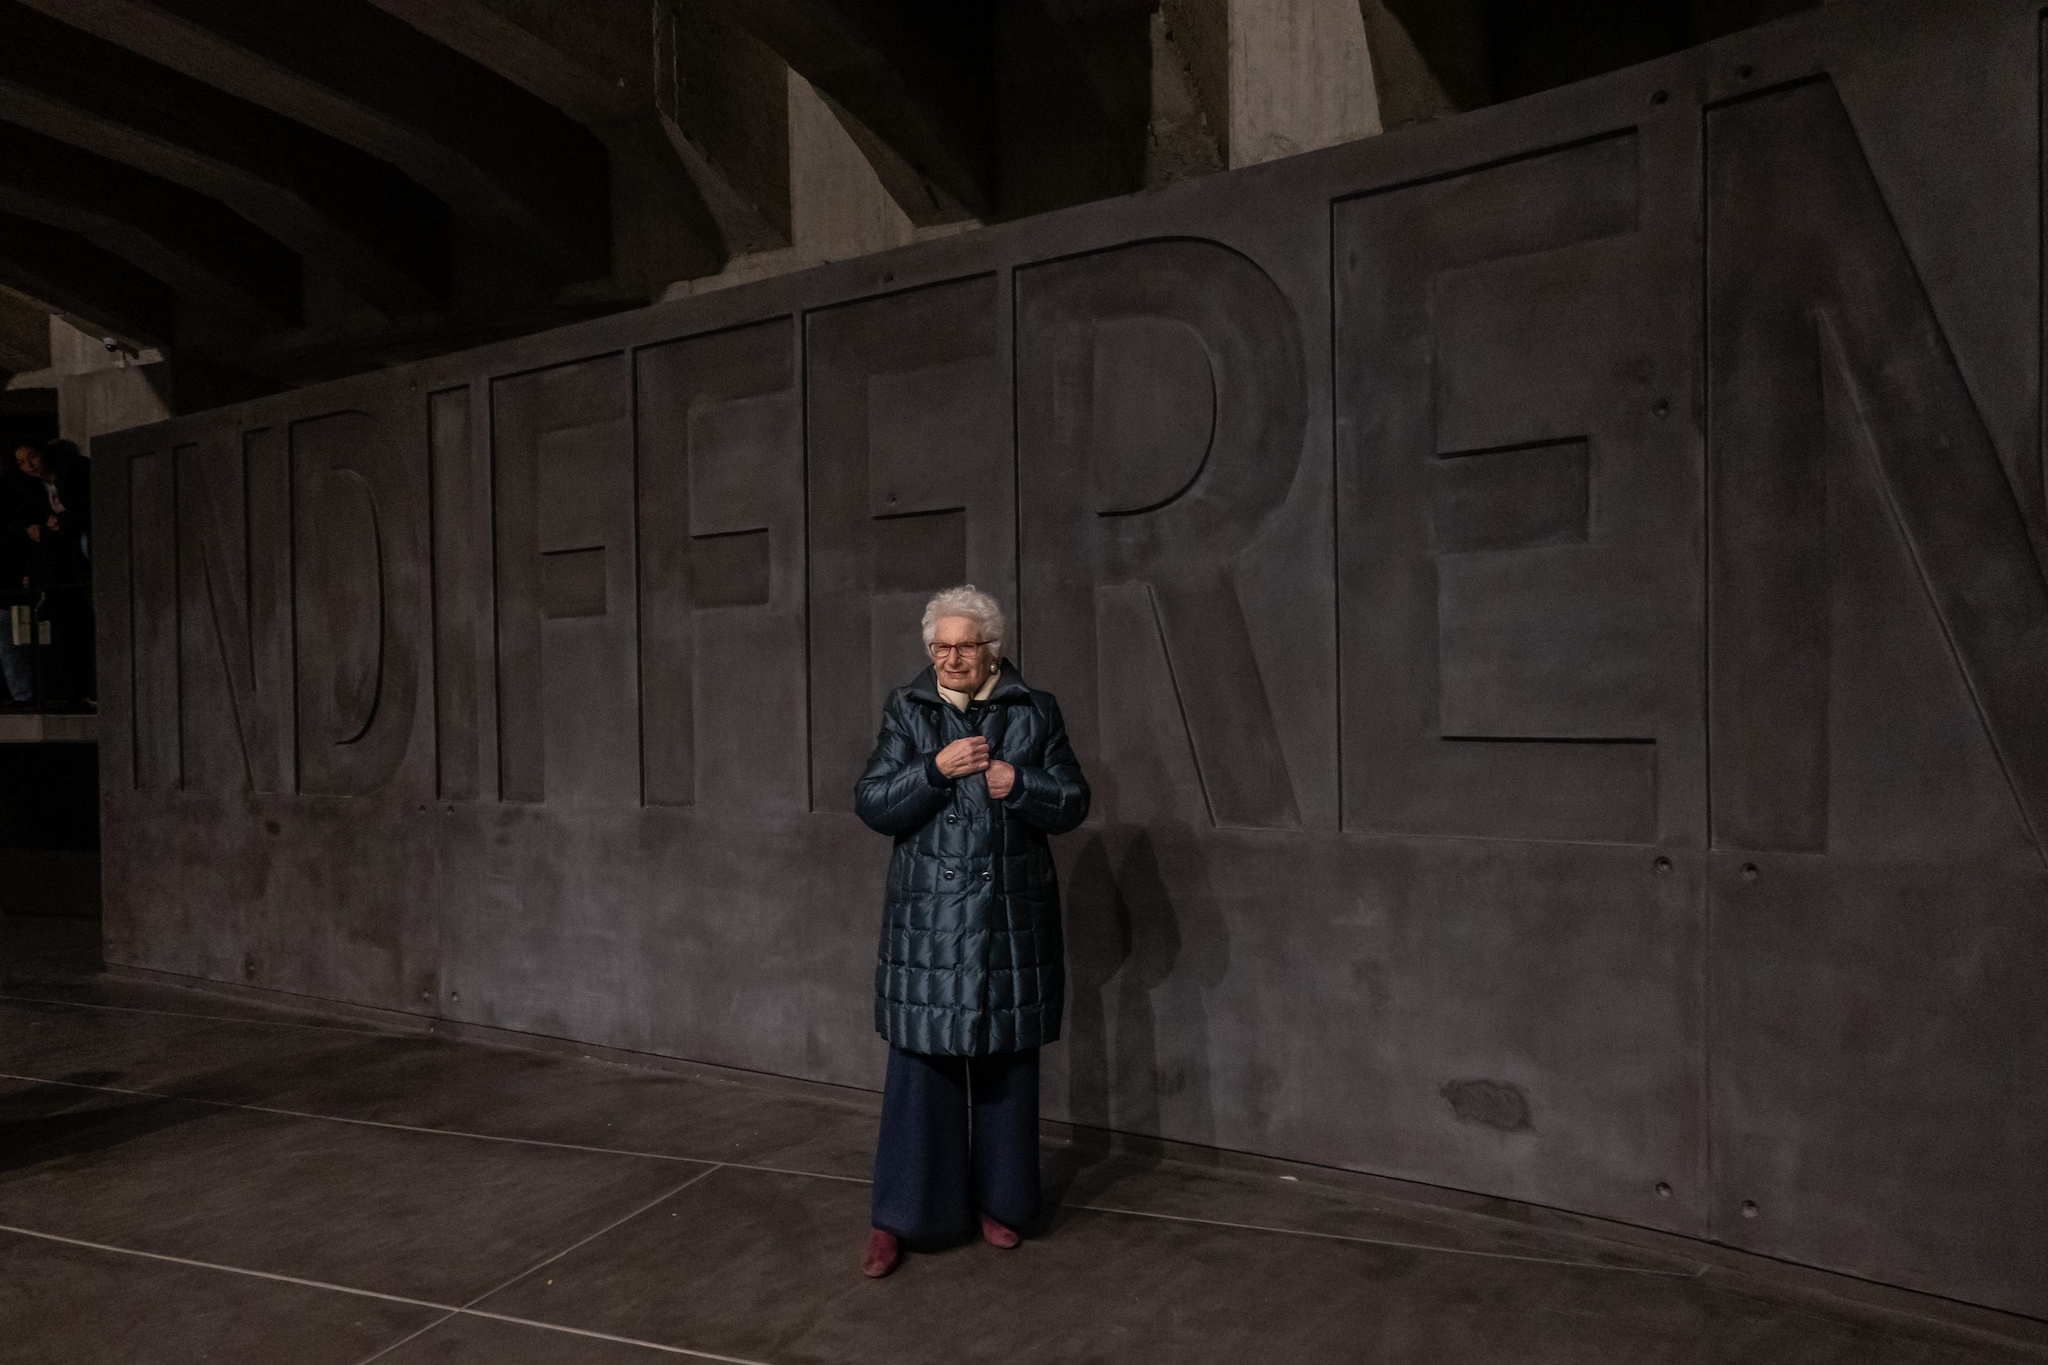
1500 1014
908 420
1161 410
723 936
1829 366
465 624
1879 643
1437 405
213 636
243 917
360 586
116 623
1529 688
152 598
1878 1042
568 717
235 613
722 570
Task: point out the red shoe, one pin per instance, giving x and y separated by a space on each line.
882 1254
996 1235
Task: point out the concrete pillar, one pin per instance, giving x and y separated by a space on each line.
1180 140
99 390
1278 76
838 206
1300 78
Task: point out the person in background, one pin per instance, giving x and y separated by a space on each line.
971 772
17 671
54 516
65 504
22 502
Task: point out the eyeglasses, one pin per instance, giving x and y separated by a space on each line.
964 650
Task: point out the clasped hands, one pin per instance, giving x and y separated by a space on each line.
970 755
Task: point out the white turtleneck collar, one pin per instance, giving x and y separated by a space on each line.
958 700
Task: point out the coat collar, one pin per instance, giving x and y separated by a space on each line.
1009 686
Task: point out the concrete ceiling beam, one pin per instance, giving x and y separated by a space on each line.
510 166
384 237
70 275
202 249
974 111
595 62
590 60
924 201
723 96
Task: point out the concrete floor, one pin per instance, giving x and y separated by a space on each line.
187 1177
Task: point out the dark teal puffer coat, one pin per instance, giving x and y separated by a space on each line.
971 957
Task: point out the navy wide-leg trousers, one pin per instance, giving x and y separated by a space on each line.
959 1139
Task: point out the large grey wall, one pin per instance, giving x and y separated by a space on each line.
1551 603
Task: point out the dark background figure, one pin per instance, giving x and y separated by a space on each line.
49 506
971 773
17 667
21 499
67 479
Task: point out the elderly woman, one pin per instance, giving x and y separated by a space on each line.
971 772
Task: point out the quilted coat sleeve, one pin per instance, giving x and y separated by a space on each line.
896 795
1052 798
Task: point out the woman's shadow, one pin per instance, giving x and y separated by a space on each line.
1145 941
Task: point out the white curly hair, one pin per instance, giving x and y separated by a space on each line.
972 603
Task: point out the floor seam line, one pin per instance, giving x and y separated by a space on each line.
409 1337
608 1336
436 1132
792 1170
370 1030
712 1165
1383 1242
363 1123
274 1276
450 1310
535 1268
581 1242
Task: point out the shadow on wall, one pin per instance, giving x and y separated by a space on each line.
1145 944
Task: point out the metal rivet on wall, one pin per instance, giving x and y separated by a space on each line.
1749 872
1660 97
1744 72
1663 1189
1663 865
1662 407
1749 1208
455 995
